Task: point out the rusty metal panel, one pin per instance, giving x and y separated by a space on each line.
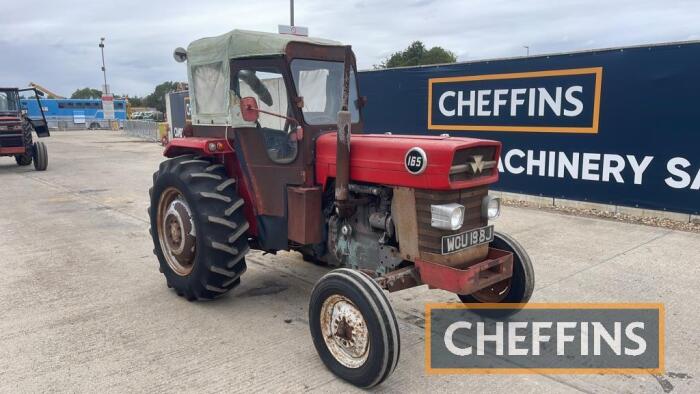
400 279
498 266
304 221
460 259
403 211
267 178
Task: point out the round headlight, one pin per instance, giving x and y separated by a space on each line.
491 207
494 208
457 218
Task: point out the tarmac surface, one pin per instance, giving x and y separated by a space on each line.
85 309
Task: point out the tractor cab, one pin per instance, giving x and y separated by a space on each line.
268 97
277 160
9 102
11 109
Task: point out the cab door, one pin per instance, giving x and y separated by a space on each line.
270 154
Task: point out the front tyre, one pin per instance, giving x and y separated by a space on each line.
516 289
40 156
198 227
354 328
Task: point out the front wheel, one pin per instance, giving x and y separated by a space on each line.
354 328
40 156
516 289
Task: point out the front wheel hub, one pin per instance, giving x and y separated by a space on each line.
176 232
345 331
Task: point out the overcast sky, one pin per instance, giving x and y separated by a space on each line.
54 43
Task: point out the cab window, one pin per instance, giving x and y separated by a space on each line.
320 83
266 85
8 101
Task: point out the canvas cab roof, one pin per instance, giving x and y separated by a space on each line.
208 70
245 43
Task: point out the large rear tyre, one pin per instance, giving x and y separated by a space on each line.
25 159
198 228
40 156
518 288
354 328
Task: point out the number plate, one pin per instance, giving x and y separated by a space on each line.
456 242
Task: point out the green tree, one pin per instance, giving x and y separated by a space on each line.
157 98
86 93
136 101
418 55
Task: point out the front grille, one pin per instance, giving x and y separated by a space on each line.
465 167
430 238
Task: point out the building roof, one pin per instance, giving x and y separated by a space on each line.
245 43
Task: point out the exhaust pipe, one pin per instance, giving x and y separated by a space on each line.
342 177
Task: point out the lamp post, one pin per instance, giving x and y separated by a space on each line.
527 50
291 12
104 70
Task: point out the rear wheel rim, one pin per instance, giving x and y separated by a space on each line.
345 331
176 231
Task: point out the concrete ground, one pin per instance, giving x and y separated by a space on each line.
84 307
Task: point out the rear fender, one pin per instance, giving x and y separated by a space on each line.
227 157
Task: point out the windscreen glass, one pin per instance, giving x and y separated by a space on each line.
320 83
8 101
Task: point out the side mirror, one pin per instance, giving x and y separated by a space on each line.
180 54
39 93
249 109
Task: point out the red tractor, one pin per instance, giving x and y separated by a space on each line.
276 160
16 130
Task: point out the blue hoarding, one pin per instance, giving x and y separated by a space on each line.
618 126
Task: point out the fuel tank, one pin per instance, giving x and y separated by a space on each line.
422 162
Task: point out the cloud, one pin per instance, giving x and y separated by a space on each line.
55 43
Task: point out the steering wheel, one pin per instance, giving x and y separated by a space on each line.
252 80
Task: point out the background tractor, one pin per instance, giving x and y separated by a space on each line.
16 130
276 160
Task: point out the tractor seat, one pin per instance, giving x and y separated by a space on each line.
280 148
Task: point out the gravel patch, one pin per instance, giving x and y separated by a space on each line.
693 227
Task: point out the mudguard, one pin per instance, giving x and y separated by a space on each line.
197 146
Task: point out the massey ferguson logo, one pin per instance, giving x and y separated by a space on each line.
478 164
416 161
555 101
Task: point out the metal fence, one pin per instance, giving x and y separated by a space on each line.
143 129
69 123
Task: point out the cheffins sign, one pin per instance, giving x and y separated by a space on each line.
558 101
615 126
